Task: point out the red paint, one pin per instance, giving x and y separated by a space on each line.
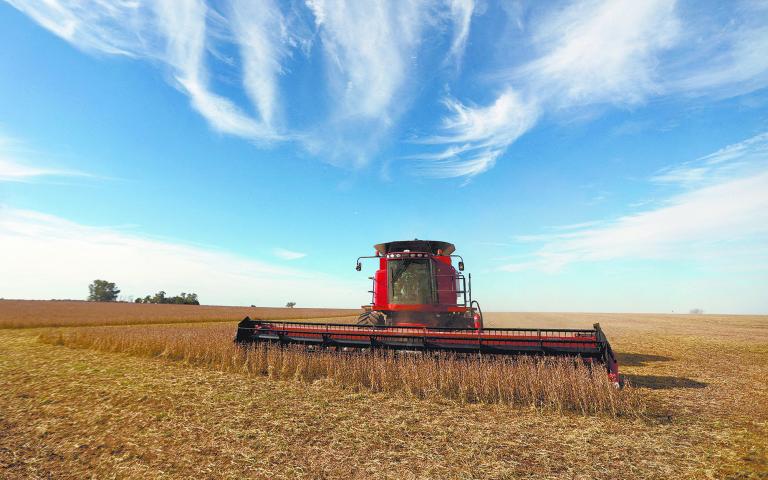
380 285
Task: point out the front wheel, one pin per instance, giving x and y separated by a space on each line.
371 319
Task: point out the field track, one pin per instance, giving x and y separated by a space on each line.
78 412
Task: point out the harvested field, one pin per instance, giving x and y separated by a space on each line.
83 412
31 313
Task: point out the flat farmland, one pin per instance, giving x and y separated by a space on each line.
138 401
32 313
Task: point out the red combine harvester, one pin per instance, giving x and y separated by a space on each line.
421 302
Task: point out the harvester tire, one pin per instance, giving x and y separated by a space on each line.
372 319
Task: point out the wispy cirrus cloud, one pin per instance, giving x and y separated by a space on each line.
177 36
15 165
605 53
588 53
368 49
740 158
729 208
374 61
70 255
477 136
598 52
184 31
11 171
259 39
260 30
286 254
723 57
461 14
368 46
113 28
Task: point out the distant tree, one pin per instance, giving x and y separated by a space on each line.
159 297
696 311
290 304
102 291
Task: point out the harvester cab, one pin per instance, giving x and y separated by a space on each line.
416 284
421 302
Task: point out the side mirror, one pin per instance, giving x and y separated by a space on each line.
461 266
358 267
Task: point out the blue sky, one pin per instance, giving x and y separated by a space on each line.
582 155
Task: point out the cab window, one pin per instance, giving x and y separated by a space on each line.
410 282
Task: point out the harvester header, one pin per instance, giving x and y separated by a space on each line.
420 301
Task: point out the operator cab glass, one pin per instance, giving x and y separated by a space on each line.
410 282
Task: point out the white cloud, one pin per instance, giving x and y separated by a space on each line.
184 31
287 254
461 14
740 158
11 171
577 54
477 136
259 27
502 121
115 28
372 56
14 167
725 54
44 256
368 46
175 35
599 51
724 213
590 52
620 53
716 221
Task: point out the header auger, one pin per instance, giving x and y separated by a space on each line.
422 302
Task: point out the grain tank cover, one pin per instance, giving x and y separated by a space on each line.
415 245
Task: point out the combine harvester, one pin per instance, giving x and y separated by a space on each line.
421 302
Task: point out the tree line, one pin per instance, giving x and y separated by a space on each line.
159 297
104 291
